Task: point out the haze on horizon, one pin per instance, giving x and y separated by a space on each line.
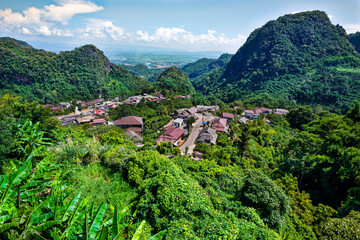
190 25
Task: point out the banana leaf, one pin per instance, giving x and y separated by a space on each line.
96 222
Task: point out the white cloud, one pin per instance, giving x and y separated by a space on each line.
44 21
103 29
352 28
181 36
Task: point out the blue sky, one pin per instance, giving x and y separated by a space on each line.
191 25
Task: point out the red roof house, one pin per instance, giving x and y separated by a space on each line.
130 123
96 122
99 112
171 134
219 124
228 116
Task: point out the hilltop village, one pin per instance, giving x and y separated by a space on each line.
185 128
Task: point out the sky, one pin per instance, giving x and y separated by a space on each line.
190 25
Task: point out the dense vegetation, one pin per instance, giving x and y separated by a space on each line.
173 80
354 38
143 71
301 57
83 73
297 178
205 65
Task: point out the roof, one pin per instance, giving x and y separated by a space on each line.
47 106
192 110
208 135
243 120
99 111
178 120
171 134
57 109
221 122
84 119
228 115
100 120
129 120
134 129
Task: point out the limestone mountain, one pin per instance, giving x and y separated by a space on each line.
302 57
174 81
47 77
354 38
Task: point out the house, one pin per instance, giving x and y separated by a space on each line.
243 120
159 95
47 106
55 109
255 113
79 102
86 119
192 110
220 124
178 122
171 134
207 136
130 123
228 116
65 104
97 122
208 108
280 111
100 112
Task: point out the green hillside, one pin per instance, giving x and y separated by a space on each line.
175 81
205 65
47 77
354 38
301 57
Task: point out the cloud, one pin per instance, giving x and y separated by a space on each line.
352 28
43 21
183 37
103 29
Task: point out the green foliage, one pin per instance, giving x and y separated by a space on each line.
83 73
174 81
354 38
301 57
268 199
205 65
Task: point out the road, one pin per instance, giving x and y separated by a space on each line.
197 126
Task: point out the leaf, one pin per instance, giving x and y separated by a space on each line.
4 218
54 236
95 225
47 225
138 231
7 226
158 236
104 234
71 206
43 217
38 237
115 230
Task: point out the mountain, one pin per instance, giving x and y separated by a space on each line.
205 65
47 77
354 38
174 81
22 43
301 57
142 70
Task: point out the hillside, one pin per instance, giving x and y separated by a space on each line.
47 77
354 38
301 57
205 65
174 81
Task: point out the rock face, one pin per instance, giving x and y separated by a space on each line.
302 57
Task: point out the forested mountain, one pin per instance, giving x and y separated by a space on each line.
47 77
205 65
22 43
175 81
142 70
300 57
354 38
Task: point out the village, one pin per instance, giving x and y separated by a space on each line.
188 126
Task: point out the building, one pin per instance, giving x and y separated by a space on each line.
255 113
172 134
100 112
178 122
65 104
130 123
244 120
86 119
97 122
228 116
207 136
220 125
280 111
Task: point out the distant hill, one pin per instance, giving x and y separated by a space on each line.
174 81
354 38
22 43
205 65
47 77
301 57
143 71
